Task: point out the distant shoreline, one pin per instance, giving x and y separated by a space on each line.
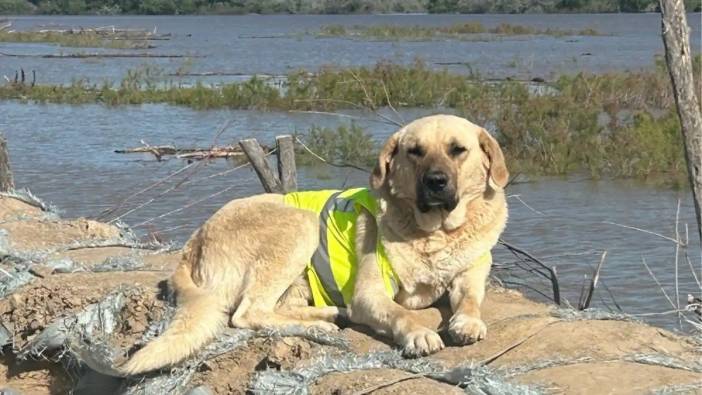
341 7
214 13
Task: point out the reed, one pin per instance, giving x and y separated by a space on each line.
466 31
87 39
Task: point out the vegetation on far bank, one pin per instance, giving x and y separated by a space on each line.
89 39
620 124
457 31
171 7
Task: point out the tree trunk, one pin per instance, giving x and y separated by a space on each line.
676 39
7 182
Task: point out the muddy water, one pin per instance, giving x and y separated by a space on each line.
277 44
64 153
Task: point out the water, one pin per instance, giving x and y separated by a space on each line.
65 153
224 44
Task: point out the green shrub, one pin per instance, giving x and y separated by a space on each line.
344 145
157 7
15 7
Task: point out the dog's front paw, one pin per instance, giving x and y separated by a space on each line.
421 342
465 329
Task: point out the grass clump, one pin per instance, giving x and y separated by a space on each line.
347 144
466 30
77 39
610 125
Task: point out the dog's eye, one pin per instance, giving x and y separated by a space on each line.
456 150
416 151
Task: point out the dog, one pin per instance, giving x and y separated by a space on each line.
424 229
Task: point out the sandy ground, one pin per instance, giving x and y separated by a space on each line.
527 344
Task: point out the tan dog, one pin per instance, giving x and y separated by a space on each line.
439 182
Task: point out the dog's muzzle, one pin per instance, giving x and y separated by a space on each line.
435 191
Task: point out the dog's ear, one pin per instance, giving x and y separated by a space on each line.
380 172
497 169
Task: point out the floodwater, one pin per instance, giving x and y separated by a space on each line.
65 154
278 44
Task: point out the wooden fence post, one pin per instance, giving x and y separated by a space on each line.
286 162
7 183
676 40
257 157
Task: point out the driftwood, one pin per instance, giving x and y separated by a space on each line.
286 179
695 304
161 152
287 171
254 151
242 36
586 296
217 152
221 73
537 266
676 40
99 55
111 32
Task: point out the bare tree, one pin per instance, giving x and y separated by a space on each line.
676 39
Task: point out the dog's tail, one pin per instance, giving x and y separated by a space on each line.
199 317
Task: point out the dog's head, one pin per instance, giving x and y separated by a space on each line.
438 164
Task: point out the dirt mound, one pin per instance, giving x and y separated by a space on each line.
119 256
619 377
66 327
33 377
13 209
387 381
537 349
31 234
231 373
28 224
33 307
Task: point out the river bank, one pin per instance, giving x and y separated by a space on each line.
89 292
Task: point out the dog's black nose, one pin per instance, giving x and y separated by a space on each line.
435 181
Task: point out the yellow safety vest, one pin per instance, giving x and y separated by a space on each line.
332 269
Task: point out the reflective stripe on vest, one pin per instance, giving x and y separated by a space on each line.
328 289
321 260
332 269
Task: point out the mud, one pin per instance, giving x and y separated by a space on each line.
530 347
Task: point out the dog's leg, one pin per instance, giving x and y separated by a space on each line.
252 314
328 313
466 294
371 306
278 269
296 303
